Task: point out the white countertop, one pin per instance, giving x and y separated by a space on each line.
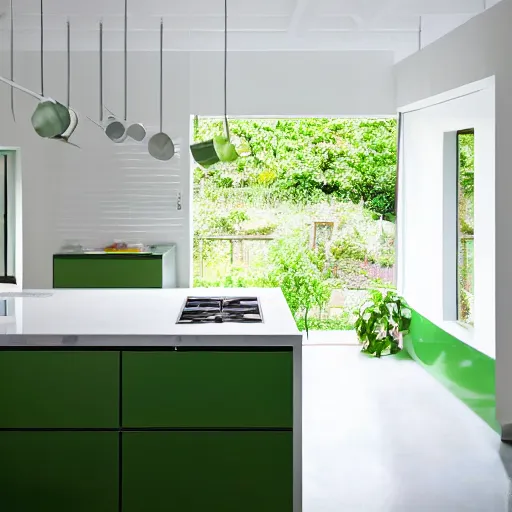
141 312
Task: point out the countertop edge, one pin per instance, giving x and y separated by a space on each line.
142 341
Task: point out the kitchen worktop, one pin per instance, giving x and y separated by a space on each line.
150 313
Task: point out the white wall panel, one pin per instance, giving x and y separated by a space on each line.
427 282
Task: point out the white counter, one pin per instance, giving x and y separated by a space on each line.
146 313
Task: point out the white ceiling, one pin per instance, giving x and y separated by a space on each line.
389 25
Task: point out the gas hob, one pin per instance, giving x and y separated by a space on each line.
218 310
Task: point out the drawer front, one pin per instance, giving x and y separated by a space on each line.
59 389
107 272
208 471
208 389
59 471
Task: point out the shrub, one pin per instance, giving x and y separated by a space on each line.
348 248
297 271
261 230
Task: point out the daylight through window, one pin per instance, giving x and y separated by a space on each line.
466 226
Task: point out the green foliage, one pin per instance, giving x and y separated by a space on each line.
297 270
229 224
381 321
235 280
465 227
467 163
309 160
261 230
349 248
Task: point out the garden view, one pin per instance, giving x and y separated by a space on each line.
308 207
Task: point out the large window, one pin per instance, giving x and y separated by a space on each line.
6 209
465 225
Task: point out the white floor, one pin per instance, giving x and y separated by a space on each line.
383 435
331 338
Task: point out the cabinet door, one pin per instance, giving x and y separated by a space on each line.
208 389
107 272
59 471
59 389
207 471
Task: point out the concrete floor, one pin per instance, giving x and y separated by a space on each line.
383 435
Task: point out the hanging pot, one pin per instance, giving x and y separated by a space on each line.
51 119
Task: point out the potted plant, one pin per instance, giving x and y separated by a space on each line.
381 322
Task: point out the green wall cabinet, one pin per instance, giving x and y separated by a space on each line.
156 270
59 471
59 389
208 471
208 389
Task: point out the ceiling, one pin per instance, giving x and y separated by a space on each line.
266 25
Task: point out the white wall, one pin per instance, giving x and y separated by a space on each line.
425 279
294 83
106 191
479 49
103 191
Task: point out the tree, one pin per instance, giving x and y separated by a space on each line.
305 160
298 272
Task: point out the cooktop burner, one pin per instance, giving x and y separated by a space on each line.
218 310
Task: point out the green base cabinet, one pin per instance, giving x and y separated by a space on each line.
129 430
207 471
157 270
59 471
208 389
59 389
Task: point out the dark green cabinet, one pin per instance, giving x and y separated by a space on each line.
59 471
207 471
59 389
191 430
208 389
157 270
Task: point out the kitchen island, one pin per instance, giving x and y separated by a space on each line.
108 404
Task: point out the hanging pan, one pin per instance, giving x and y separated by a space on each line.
160 145
51 119
116 130
113 128
220 147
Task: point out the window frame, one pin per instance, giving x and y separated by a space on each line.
8 237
